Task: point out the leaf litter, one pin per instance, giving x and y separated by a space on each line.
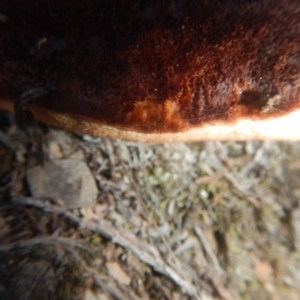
208 220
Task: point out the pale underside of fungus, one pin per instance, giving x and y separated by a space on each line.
154 70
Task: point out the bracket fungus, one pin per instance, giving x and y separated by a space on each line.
154 70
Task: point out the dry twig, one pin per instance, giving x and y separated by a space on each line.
241 189
208 250
145 252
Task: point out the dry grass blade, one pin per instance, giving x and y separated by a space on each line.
40 240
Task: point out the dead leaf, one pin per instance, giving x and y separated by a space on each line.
87 213
263 271
115 271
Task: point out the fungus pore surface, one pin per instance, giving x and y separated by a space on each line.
150 66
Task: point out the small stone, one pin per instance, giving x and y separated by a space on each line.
68 180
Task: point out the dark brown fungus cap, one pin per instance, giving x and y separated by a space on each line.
154 70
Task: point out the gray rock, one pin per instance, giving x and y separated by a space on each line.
65 180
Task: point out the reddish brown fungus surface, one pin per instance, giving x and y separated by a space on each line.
151 66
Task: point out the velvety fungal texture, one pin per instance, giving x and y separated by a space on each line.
152 65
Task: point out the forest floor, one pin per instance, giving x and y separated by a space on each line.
91 218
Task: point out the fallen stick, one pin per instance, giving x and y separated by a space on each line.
145 252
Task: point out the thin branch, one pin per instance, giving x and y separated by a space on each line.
208 250
145 252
